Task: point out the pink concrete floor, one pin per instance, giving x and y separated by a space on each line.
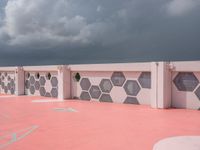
95 126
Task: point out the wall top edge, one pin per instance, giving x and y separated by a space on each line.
141 66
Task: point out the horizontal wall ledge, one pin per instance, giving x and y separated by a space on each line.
41 68
186 66
8 68
112 67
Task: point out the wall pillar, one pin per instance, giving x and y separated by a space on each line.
19 81
64 82
161 85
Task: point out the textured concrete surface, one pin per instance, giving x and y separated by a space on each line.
93 126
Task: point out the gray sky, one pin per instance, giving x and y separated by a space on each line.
38 32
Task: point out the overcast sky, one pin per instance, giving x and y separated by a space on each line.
39 32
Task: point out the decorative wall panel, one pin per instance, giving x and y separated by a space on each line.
41 84
186 90
7 82
119 87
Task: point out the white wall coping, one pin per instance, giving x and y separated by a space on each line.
112 67
8 68
185 66
41 68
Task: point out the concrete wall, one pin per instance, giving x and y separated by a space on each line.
159 84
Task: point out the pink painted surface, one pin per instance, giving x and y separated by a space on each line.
95 126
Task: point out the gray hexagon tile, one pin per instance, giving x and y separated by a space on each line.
5 89
95 92
2 85
131 100
197 92
47 94
85 96
37 85
9 86
12 82
32 89
131 87
106 85
42 80
12 91
105 98
118 78
54 81
85 84
54 92
42 91
27 84
32 80
145 80
186 81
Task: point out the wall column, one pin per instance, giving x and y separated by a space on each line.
161 85
19 81
64 82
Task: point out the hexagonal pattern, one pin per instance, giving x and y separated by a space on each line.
95 92
85 96
8 78
197 92
12 83
85 84
118 78
9 86
106 85
37 85
12 91
186 81
105 98
32 90
47 94
42 91
54 81
131 100
145 80
131 87
5 89
27 84
42 81
54 92
32 79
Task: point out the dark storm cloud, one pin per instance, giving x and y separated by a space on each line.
98 31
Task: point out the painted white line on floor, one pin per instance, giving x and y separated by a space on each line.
46 100
179 143
8 96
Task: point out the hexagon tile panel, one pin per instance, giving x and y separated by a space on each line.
118 78
85 96
106 85
95 92
145 80
131 87
85 84
105 98
7 82
103 88
131 100
197 92
186 81
41 83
